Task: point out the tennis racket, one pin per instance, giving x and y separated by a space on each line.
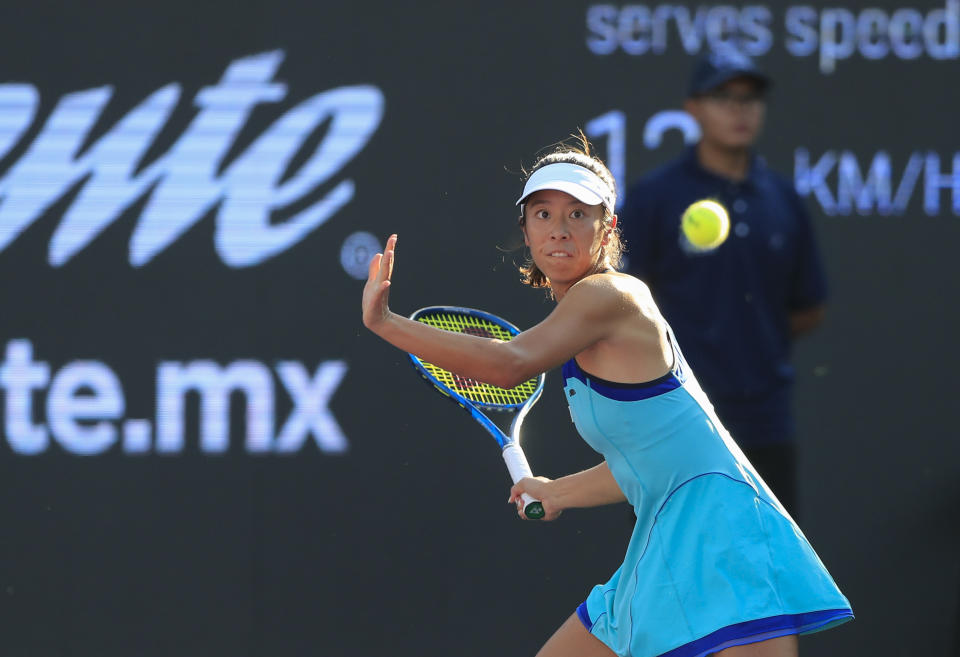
476 397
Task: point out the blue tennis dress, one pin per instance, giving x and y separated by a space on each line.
714 560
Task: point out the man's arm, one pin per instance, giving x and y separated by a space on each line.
804 321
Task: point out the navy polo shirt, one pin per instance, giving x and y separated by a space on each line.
729 307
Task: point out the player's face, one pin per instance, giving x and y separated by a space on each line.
731 115
565 236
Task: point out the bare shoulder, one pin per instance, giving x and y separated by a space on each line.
621 289
633 345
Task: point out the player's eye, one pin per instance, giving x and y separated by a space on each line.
542 214
577 214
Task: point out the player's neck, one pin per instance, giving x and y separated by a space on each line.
732 163
560 288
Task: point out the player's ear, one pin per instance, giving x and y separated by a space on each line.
608 229
523 229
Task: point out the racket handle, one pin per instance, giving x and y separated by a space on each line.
518 467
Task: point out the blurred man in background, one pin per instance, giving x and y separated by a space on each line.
735 309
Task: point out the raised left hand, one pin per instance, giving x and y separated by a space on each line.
376 293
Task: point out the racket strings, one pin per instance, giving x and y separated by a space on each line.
476 391
466 324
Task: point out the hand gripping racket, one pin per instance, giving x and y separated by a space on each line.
475 397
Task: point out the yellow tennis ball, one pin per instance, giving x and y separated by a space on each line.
705 224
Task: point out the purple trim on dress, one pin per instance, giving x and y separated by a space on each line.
760 630
584 616
621 391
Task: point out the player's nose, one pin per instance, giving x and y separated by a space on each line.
559 230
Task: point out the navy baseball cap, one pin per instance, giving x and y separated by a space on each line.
715 68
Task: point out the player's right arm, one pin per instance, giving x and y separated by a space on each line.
593 487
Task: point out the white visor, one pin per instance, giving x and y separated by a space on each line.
577 181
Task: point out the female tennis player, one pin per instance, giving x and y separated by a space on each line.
715 564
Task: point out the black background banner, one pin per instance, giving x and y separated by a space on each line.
204 452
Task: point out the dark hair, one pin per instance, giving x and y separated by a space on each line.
577 153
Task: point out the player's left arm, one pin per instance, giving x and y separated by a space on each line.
592 310
588 313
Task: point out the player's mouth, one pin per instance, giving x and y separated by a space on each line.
559 254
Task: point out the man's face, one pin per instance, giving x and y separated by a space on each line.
730 116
